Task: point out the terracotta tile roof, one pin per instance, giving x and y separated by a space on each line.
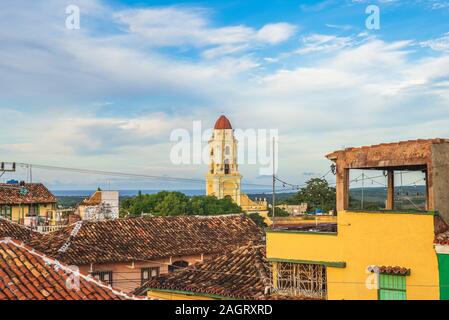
242 273
94 200
392 145
441 231
442 239
26 274
36 193
148 238
222 123
390 270
13 230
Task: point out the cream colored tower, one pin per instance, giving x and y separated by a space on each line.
223 179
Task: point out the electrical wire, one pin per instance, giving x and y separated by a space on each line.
129 175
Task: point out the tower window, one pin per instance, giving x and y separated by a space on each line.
227 150
227 169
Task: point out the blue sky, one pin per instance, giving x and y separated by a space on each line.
107 96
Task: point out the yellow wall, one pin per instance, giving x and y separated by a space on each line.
364 239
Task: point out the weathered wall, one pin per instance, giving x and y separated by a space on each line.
127 277
407 153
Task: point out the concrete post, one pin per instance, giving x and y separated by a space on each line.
390 191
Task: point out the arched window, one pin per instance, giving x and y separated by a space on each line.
227 150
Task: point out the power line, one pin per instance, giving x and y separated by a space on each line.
123 174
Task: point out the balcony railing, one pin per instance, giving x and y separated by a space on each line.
46 229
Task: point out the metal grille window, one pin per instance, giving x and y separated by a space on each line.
392 287
296 279
104 276
147 273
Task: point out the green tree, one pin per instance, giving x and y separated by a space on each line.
176 203
317 194
278 212
257 219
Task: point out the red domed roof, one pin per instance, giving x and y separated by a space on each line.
223 123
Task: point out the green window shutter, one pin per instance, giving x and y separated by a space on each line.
6 212
443 267
392 287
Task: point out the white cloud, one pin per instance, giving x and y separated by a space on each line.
323 43
337 26
275 33
366 91
175 26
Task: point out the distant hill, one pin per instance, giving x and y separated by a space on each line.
406 198
410 198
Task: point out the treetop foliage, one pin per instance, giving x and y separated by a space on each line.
167 203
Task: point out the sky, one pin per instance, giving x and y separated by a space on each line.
107 96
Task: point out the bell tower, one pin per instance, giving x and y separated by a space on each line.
223 179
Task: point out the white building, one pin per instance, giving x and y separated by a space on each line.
102 205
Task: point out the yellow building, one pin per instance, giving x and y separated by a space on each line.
385 254
224 179
31 204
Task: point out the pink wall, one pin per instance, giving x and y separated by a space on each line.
127 276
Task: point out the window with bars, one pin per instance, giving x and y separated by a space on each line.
392 287
147 273
103 276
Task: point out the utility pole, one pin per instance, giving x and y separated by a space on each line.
274 180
